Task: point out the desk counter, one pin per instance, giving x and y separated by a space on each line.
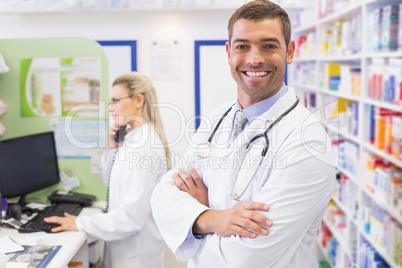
71 243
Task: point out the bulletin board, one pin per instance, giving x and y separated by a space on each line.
14 52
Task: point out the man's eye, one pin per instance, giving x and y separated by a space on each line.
271 46
241 47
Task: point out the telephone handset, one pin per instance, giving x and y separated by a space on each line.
119 137
70 197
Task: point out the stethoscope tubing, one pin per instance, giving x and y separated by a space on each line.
264 151
265 134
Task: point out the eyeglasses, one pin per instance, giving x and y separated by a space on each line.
116 101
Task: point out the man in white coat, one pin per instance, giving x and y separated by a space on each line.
229 206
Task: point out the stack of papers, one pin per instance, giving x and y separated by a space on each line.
18 256
7 245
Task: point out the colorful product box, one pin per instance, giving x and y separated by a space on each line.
332 76
377 21
400 28
389 241
376 73
395 187
382 179
389 32
396 142
388 134
356 80
381 116
393 81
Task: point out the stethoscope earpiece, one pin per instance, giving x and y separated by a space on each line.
204 150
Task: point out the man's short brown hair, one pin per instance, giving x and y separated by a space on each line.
259 10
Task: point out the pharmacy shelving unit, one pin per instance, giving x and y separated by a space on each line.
44 6
305 74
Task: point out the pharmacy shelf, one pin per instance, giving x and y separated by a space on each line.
322 249
383 154
306 87
338 237
379 3
382 1
338 94
383 104
305 29
326 92
134 8
349 97
393 54
346 13
390 210
340 58
379 249
344 209
305 59
363 59
343 134
349 175
120 10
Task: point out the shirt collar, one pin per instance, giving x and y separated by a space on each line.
261 107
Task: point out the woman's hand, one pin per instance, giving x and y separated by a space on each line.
67 223
112 133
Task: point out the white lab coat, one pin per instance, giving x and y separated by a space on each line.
131 235
297 180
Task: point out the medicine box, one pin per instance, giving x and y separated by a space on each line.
389 33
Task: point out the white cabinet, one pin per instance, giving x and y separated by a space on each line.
337 69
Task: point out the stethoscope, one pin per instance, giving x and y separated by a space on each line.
204 149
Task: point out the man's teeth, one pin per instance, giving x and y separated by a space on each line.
256 74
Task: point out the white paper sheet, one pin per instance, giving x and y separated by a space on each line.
165 61
7 245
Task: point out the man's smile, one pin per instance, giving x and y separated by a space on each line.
256 74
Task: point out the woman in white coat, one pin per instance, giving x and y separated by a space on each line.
132 169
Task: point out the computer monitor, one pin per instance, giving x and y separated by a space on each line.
27 164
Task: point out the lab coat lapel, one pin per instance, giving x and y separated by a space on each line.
221 140
261 123
258 126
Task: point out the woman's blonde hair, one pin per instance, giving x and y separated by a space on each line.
137 83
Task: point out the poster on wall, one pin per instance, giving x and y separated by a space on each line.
55 86
78 138
165 61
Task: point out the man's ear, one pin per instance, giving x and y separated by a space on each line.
290 52
228 50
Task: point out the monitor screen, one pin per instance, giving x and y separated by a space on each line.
27 164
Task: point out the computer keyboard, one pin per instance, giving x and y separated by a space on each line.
37 223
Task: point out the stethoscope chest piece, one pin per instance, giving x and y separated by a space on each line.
203 150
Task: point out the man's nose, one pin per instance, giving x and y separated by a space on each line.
255 57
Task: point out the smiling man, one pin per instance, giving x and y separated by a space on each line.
251 212
258 54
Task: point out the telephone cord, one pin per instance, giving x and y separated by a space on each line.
105 210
